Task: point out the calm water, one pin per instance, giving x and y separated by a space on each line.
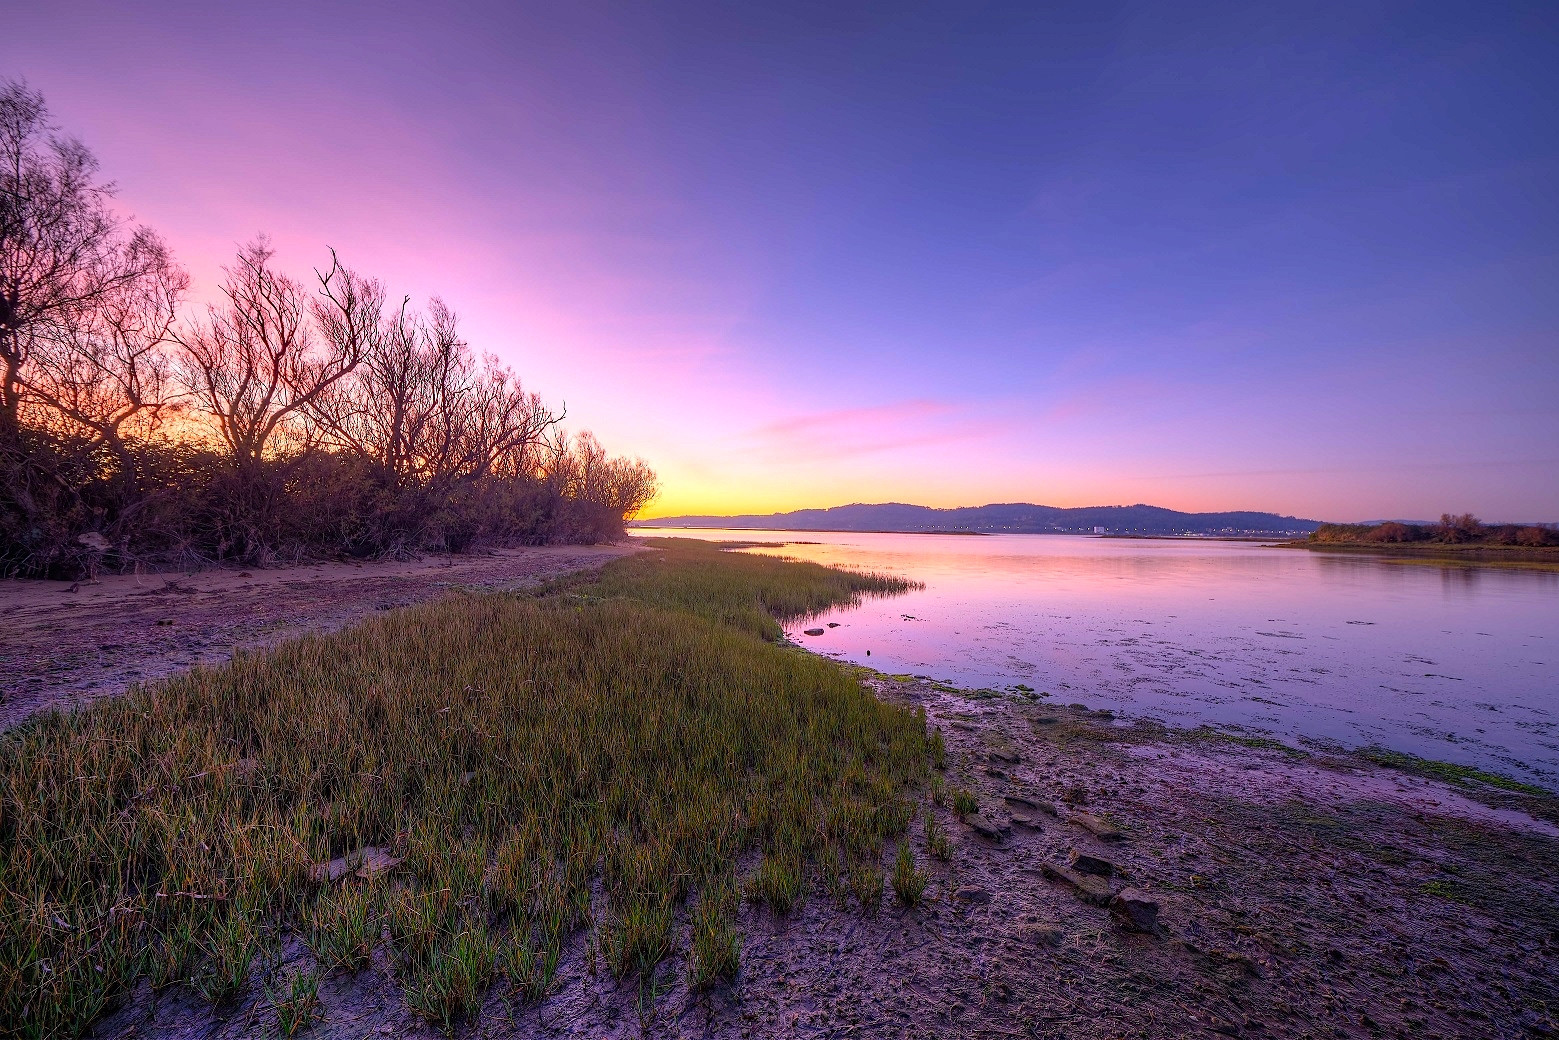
1454 664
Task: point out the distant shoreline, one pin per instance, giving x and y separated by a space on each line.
1481 553
818 530
1265 538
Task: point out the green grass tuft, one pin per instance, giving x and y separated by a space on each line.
297 1010
909 884
717 945
965 803
937 843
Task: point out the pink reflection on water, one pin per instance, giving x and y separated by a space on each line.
1454 664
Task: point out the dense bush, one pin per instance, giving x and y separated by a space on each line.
287 420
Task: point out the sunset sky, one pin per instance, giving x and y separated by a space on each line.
1301 258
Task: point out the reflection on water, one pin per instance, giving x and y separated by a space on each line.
1454 663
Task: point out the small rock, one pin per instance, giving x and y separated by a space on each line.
1075 796
365 863
833 624
1005 756
971 894
987 828
1039 934
814 631
1026 821
1016 801
1135 910
1090 864
1101 830
999 774
1089 887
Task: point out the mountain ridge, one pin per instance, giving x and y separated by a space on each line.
1002 517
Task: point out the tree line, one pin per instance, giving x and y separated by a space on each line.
290 418
1452 529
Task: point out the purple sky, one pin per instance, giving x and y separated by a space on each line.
1291 257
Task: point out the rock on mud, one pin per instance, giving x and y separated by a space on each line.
1135 910
1086 864
1039 934
987 828
1101 829
1089 887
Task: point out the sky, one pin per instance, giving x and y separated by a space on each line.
1298 258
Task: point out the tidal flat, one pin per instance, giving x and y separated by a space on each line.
623 805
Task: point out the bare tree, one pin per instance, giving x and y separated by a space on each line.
420 407
64 254
254 365
106 375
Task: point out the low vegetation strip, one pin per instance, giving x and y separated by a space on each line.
463 786
744 590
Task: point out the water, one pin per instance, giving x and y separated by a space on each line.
1459 664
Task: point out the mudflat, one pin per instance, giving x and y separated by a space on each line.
64 643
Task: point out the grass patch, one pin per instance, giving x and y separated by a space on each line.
642 732
746 591
937 842
297 1009
909 884
1449 772
716 944
965 803
1208 733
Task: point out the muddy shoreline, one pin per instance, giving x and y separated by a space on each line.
1328 897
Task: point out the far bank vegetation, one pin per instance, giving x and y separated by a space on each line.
1452 530
291 417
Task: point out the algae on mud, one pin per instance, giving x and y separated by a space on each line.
590 758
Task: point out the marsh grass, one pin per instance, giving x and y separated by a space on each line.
965 803
716 945
637 735
744 590
299 1006
938 845
909 884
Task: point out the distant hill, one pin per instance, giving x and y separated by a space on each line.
1014 518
